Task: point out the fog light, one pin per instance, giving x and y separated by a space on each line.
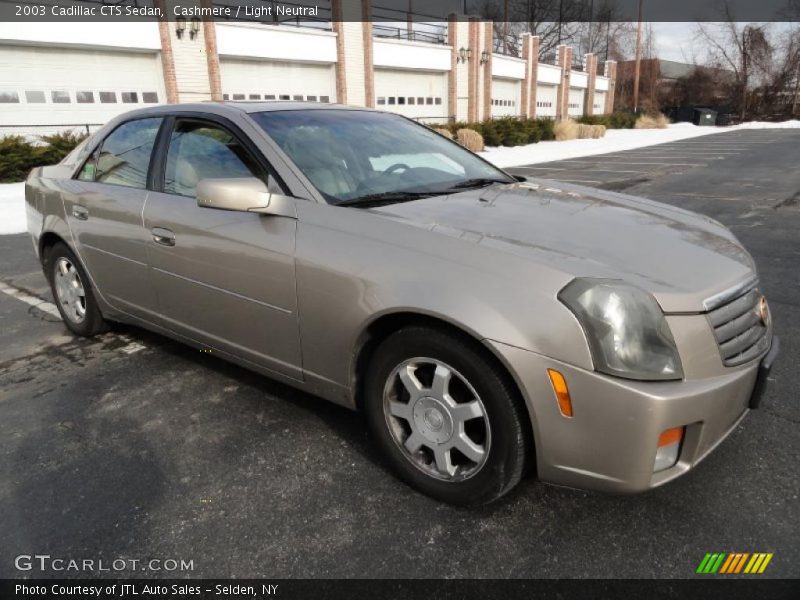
669 445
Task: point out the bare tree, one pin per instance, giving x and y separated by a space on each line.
742 48
587 26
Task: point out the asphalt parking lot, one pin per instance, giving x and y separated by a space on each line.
131 445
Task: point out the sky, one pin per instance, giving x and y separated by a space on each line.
679 41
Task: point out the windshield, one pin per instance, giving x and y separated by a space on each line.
354 156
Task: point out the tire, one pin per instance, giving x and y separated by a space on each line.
414 423
72 292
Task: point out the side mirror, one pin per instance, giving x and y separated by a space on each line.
245 194
520 178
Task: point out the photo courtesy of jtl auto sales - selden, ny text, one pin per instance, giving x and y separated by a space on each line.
399 299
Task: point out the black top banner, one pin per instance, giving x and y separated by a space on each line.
276 11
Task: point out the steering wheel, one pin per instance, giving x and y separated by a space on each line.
396 167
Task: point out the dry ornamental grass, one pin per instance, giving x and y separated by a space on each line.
470 139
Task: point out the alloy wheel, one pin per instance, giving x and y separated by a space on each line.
437 419
70 292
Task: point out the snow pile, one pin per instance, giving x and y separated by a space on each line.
616 140
12 208
793 124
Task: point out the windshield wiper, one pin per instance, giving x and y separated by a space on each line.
385 198
474 183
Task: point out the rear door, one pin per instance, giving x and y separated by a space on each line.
223 278
104 205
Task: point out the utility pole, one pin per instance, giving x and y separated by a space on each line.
638 65
745 33
505 27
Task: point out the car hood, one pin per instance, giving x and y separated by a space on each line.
681 257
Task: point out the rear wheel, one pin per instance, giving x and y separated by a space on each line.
445 416
72 292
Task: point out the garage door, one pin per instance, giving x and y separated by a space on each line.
546 100
417 95
599 103
506 98
576 96
272 80
43 90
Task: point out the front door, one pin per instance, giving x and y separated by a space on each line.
104 205
223 278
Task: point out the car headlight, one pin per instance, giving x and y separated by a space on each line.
626 329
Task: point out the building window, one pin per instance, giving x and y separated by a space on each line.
60 97
149 97
381 100
391 99
9 97
429 100
226 97
325 99
108 97
254 97
437 101
284 97
401 100
238 96
411 99
84 97
420 100
34 97
311 98
297 97
269 96
130 97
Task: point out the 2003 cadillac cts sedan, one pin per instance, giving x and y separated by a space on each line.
484 324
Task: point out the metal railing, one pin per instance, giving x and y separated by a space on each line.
408 25
256 12
508 45
60 126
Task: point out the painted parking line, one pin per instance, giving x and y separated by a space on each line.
131 347
582 180
43 305
540 168
615 171
671 164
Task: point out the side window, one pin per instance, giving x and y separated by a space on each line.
199 150
124 156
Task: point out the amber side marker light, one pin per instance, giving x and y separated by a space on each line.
562 392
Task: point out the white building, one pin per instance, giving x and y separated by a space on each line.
56 76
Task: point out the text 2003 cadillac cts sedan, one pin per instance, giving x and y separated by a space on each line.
483 323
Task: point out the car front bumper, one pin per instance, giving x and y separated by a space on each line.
610 442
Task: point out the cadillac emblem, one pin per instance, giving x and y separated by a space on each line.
762 310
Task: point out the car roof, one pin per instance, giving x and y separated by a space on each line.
223 108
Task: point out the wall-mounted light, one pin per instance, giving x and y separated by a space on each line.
194 27
464 54
484 57
180 26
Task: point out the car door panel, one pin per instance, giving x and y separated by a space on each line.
104 208
224 278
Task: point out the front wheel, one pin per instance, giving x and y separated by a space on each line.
446 416
72 292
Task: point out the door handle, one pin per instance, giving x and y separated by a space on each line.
80 212
163 236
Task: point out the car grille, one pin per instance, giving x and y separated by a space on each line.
739 329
